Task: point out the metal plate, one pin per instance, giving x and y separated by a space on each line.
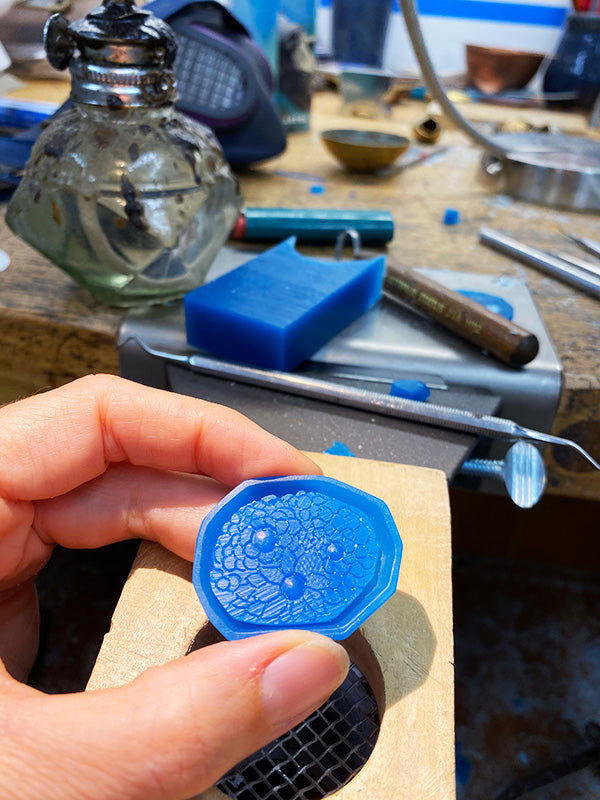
392 339
549 169
316 425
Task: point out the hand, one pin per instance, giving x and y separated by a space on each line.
102 460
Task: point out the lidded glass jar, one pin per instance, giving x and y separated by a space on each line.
124 193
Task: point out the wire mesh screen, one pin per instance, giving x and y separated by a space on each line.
318 756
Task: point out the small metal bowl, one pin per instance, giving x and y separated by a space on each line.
493 70
364 151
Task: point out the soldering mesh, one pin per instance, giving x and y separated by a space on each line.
318 756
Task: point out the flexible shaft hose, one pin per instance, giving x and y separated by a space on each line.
430 77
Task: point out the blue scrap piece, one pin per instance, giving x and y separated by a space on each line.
339 449
451 216
410 389
301 551
419 93
491 301
279 308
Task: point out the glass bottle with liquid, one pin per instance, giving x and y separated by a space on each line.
124 193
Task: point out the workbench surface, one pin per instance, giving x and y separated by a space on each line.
52 331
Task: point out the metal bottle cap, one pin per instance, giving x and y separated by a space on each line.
118 54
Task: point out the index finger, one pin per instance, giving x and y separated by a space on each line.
51 443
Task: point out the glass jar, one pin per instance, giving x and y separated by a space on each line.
124 193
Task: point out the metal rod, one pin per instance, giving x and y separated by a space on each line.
577 262
589 245
586 281
455 419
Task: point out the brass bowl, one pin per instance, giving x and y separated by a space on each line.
364 151
493 70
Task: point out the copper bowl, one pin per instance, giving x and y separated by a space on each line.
493 70
364 151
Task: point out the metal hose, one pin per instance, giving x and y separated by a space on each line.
436 89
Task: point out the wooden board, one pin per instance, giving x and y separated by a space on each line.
408 659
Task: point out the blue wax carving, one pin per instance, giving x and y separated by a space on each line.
280 307
296 552
263 570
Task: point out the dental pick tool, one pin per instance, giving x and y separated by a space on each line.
340 394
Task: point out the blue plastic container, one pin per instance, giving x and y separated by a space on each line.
303 551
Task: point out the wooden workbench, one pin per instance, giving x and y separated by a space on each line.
52 331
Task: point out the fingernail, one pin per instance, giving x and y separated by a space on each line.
300 680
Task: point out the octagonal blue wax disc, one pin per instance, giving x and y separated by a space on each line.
301 551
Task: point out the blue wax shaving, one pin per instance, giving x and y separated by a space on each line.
491 301
339 449
276 310
410 389
451 216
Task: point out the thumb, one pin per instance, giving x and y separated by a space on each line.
173 731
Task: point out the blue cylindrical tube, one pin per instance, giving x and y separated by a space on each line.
313 225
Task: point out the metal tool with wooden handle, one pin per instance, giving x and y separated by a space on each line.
490 331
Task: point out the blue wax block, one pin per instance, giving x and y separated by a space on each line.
410 389
279 308
302 551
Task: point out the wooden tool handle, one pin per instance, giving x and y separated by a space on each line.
470 320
